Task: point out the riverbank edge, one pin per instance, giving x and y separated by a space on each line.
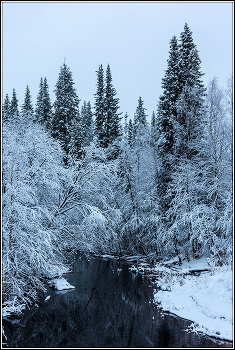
145 265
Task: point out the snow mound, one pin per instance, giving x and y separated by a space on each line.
206 300
60 284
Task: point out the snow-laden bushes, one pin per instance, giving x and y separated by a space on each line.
48 208
32 180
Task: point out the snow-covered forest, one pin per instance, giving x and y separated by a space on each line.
90 178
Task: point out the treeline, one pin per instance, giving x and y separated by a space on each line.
77 177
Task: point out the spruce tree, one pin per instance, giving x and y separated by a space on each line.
87 123
191 99
163 138
179 112
183 70
14 106
140 116
112 128
140 135
27 107
107 122
99 107
66 108
47 106
6 109
167 103
189 63
140 123
186 189
39 104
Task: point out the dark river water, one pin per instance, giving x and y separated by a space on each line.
109 307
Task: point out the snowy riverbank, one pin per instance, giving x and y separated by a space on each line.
206 299
195 290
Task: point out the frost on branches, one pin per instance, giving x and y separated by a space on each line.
32 176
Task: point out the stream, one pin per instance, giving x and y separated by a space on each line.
109 307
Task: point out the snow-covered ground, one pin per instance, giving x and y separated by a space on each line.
60 284
206 299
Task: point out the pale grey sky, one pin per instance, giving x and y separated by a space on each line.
133 37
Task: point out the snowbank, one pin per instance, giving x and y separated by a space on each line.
60 284
205 299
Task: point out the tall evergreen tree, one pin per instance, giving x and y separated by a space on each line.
183 70
167 102
190 108
47 106
189 125
179 110
163 138
39 104
140 116
27 107
112 128
130 133
99 107
87 123
140 123
14 106
66 107
6 109
189 63
140 134
107 122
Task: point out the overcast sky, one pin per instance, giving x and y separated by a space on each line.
133 37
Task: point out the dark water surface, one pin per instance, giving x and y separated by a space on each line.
109 307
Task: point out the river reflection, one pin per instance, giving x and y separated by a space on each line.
109 307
